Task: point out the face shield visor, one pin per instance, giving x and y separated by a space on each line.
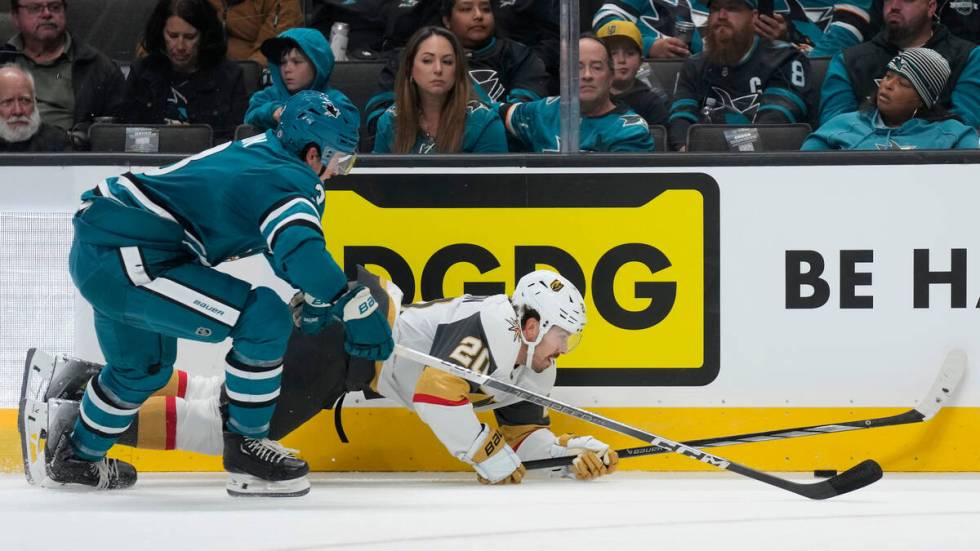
339 164
561 339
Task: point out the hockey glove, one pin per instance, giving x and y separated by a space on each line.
593 458
368 334
314 315
493 459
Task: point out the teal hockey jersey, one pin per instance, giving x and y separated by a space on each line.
536 125
233 200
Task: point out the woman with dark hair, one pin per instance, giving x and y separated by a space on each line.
435 108
904 113
185 77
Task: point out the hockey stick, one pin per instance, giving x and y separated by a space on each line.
949 377
859 476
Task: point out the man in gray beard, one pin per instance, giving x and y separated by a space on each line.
21 129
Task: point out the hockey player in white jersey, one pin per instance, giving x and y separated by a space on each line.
517 339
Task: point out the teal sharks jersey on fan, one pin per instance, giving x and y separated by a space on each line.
270 201
823 26
770 85
536 125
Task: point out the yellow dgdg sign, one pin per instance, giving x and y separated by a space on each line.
642 248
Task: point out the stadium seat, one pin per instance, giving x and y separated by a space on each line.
818 68
243 131
357 79
252 74
659 134
149 138
771 137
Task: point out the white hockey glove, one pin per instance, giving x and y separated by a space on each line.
493 459
594 458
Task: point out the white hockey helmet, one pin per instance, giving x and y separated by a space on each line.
557 302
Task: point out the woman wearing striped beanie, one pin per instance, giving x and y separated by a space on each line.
903 114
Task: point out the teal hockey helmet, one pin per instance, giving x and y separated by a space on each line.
326 119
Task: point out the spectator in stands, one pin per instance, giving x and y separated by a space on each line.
790 22
503 70
852 74
249 23
961 18
604 126
534 23
656 21
299 59
367 21
436 110
624 43
74 82
185 77
21 129
739 78
905 113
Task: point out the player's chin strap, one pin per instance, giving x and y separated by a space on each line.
531 345
530 349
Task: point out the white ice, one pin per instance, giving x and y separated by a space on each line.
185 512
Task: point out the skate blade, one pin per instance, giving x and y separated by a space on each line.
38 371
33 424
243 485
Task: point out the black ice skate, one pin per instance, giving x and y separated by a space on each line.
41 424
262 467
64 467
67 376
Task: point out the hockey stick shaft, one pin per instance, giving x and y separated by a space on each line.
857 477
911 416
945 384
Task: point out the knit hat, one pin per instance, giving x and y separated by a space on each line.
926 69
625 29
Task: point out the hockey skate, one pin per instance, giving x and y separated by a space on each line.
263 468
67 376
64 467
32 423
47 377
32 414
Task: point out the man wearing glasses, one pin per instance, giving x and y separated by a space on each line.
143 255
74 82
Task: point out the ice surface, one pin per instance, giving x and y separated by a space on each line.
435 511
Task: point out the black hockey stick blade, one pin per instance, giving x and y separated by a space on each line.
943 388
857 477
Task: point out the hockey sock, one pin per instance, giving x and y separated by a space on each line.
253 387
176 386
155 428
171 423
103 417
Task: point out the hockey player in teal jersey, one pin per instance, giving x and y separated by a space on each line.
143 252
604 126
